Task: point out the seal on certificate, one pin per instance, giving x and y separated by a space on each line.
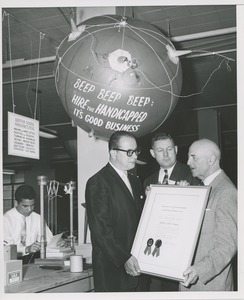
156 250
148 247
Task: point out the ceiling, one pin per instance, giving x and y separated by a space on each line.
30 37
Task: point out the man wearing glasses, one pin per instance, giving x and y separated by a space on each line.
114 202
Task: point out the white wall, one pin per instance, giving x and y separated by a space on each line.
92 155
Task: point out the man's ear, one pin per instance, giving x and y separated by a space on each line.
152 153
113 153
176 149
212 159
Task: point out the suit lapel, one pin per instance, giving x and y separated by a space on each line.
121 183
155 177
136 192
131 180
214 184
175 172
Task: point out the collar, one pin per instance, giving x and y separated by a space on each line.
19 215
120 172
211 177
169 169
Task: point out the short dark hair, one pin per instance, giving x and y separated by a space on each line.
162 136
24 192
115 138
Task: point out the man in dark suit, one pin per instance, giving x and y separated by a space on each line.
114 202
164 150
171 171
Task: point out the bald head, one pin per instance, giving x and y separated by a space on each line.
204 158
207 147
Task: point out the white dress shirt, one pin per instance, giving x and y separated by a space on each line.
124 177
162 173
211 177
12 229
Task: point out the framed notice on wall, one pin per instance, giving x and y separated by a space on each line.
23 136
169 228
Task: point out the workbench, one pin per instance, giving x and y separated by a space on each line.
53 279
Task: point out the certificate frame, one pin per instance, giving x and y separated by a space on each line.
168 229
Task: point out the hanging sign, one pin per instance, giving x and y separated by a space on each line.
23 136
117 74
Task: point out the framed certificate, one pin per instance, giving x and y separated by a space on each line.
169 228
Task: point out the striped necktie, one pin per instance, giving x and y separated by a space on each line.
166 177
23 232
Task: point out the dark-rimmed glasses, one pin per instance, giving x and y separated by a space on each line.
129 152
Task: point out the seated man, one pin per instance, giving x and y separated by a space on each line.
22 225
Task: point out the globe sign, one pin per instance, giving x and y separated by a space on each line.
115 73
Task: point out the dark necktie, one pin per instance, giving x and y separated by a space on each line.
166 177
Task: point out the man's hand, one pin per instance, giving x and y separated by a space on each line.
191 276
183 183
62 243
35 247
147 190
132 267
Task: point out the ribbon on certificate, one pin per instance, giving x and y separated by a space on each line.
156 250
148 247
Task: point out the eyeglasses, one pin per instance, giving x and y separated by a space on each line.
129 152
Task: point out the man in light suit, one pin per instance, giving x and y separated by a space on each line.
114 203
164 150
217 245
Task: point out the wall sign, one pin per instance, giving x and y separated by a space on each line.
23 136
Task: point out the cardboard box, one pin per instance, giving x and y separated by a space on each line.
12 271
10 252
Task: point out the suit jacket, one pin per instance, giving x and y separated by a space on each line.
217 243
180 172
113 217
